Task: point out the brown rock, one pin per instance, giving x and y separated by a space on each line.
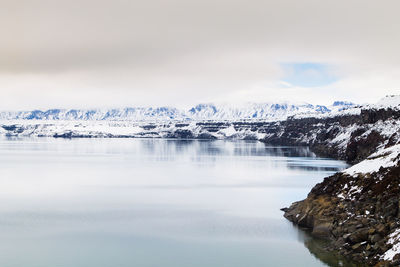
381 228
357 247
322 229
359 235
375 238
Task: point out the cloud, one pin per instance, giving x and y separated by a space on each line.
179 52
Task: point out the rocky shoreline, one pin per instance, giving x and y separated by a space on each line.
356 209
358 225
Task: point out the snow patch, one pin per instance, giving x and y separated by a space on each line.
394 239
230 131
384 158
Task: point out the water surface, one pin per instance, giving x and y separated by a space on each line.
145 202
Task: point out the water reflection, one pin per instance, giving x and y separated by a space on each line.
317 247
152 202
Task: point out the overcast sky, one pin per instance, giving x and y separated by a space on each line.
96 53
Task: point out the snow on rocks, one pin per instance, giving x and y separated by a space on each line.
357 208
384 158
346 109
100 129
228 132
394 240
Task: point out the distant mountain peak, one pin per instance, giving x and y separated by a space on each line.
342 103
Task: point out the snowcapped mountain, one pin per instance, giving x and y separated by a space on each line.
204 121
341 105
134 114
201 112
264 111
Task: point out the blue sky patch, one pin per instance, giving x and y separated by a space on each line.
308 74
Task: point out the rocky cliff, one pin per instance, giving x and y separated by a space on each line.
350 137
357 209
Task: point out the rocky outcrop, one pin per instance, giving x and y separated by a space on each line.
358 210
347 137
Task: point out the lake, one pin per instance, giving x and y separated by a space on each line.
154 202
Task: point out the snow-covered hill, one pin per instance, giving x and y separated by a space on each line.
343 108
251 111
201 112
268 122
131 114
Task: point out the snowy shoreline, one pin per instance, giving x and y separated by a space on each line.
368 137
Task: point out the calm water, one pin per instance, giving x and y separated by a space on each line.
143 202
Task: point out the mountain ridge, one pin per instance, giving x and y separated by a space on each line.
205 111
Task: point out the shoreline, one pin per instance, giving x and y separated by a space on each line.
353 208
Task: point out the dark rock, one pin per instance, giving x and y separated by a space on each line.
354 232
357 247
375 238
359 236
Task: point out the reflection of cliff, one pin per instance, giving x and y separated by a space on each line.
237 148
317 248
289 151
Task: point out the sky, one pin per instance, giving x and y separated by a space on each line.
116 53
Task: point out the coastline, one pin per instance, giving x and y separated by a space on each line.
351 208
357 209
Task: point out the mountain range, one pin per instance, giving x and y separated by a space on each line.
248 111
